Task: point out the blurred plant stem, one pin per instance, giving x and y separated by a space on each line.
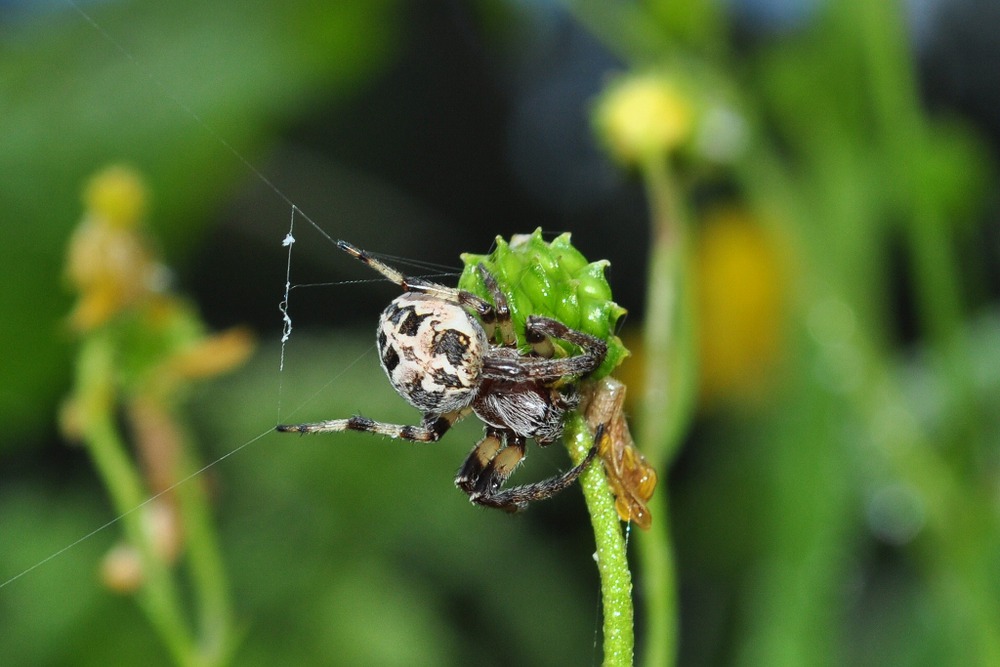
612 559
643 120
668 330
141 347
669 390
210 586
158 597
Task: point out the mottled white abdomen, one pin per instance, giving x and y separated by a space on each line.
432 351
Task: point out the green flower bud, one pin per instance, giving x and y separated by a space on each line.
553 280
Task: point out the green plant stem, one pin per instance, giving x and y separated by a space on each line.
612 560
659 584
668 397
207 572
95 394
669 379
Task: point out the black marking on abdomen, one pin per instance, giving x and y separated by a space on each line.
390 359
445 379
421 398
453 344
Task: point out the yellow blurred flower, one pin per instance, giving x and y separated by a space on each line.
118 196
109 260
160 344
740 276
643 116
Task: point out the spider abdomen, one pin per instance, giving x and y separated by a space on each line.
432 351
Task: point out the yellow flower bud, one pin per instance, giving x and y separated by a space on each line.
643 116
110 262
117 196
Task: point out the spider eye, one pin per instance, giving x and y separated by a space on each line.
432 351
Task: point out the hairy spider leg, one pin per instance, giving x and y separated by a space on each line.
484 472
527 369
479 459
430 430
463 298
488 467
501 308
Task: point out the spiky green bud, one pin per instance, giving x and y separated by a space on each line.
553 280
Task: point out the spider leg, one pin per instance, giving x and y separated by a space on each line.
501 310
430 430
489 466
528 369
479 460
541 343
463 298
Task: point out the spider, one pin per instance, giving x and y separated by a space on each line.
450 353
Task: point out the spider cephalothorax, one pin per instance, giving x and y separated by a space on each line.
450 353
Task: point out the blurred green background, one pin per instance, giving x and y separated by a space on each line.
835 499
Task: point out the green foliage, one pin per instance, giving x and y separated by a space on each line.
842 163
844 513
72 101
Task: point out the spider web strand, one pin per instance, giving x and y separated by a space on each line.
138 507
